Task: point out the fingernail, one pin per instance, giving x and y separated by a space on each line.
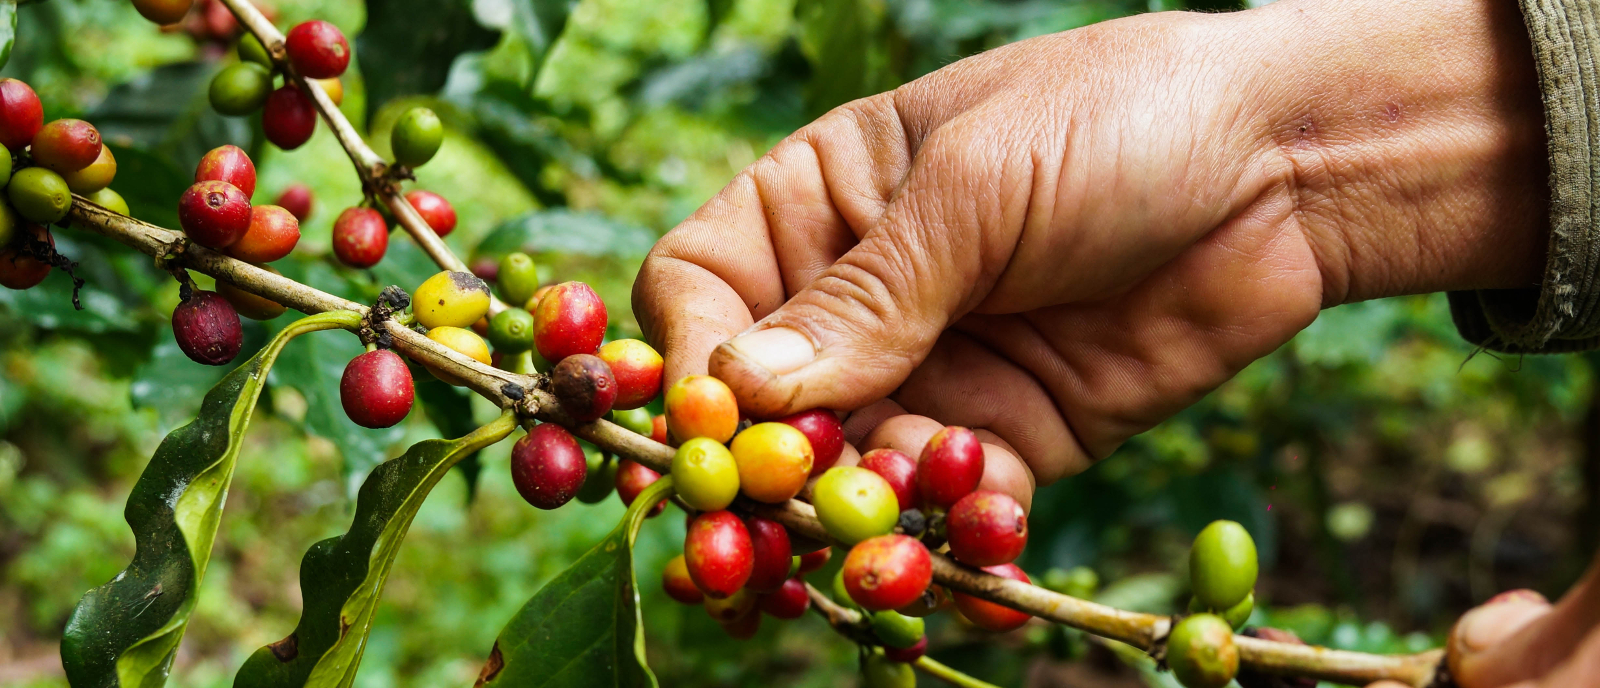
1519 595
779 350
1498 618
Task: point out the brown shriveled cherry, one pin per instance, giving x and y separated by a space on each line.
66 145
584 385
632 478
826 435
570 319
228 164
988 615
317 49
789 601
771 555
21 114
273 234
901 472
214 214
951 466
288 118
297 200
376 389
718 552
360 238
207 328
547 466
986 528
435 210
887 572
18 268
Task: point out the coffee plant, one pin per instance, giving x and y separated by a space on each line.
882 551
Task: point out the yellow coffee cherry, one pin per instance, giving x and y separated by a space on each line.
774 461
451 299
464 342
704 474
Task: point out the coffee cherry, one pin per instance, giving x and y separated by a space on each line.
601 480
790 601
9 221
897 630
704 474
250 305
878 671
774 461
538 295
110 200
376 390
288 118
718 551
1201 652
39 195
251 50
1079 581
240 89
207 328
731 608
517 277
5 166
887 572
435 211
638 369
658 429
273 234
334 88
632 478
360 238
511 331
900 470
229 164
571 319
317 49
96 176
636 420
464 342
772 558
988 615
744 627
214 214
841 593
951 466
675 580
416 137
163 12
700 406
20 270
854 504
932 601
547 466
812 561
825 433
66 145
455 299
584 385
1238 614
987 528
909 654
1222 565
297 200
21 114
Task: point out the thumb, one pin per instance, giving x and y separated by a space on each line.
1485 633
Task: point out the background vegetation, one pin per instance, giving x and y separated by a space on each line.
1392 478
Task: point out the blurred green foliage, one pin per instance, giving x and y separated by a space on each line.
1390 477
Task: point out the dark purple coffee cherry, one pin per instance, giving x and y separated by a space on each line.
585 386
547 466
207 328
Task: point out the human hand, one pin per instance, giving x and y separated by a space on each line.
1064 241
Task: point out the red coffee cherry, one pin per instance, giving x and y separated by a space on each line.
376 389
700 406
570 319
288 118
434 210
951 466
731 608
658 429
21 114
812 561
214 214
719 553
637 368
66 145
20 270
789 601
547 466
679 586
297 200
228 164
988 615
360 238
901 472
826 434
207 328
887 572
163 12
273 234
987 528
632 478
910 654
317 49
772 557
584 385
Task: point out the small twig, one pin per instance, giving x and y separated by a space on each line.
43 252
938 670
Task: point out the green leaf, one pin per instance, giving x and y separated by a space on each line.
560 231
342 577
168 112
415 41
450 409
8 30
845 42
583 628
126 632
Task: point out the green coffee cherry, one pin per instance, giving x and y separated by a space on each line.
637 420
897 630
1240 613
251 50
1079 581
879 671
5 166
840 594
601 479
518 279
240 89
511 331
1222 565
854 504
521 363
39 195
1201 652
8 223
705 475
416 137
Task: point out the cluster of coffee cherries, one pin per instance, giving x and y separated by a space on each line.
42 166
1222 575
317 50
361 234
216 212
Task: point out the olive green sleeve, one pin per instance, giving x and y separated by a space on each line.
1564 314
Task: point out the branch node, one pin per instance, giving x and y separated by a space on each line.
44 252
513 391
391 300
